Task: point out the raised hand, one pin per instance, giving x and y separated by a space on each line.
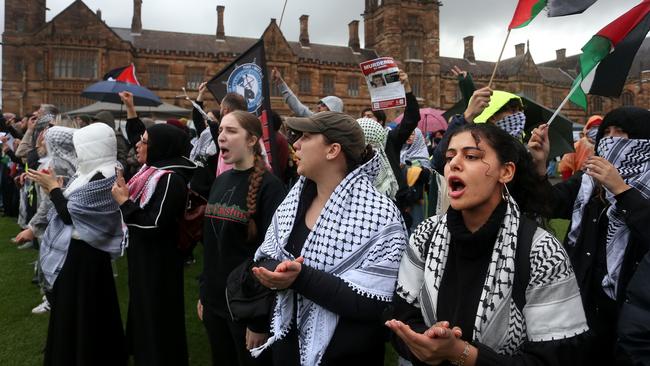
539 148
477 104
606 174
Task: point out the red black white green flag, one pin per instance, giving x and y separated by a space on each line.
527 10
124 74
606 59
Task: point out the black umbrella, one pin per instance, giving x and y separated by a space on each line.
560 133
107 91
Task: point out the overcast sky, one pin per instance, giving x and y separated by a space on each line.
487 20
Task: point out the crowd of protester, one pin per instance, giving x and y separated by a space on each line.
365 233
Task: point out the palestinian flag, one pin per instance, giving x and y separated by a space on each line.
124 74
606 59
527 10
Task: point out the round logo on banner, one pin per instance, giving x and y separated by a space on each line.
246 80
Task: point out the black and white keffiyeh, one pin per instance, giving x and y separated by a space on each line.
631 157
358 237
553 307
96 220
204 148
60 150
376 136
513 124
416 152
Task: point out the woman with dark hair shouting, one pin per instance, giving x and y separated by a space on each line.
332 250
241 204
482 284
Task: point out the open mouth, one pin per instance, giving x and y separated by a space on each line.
456 187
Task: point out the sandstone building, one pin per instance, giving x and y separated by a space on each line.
53 61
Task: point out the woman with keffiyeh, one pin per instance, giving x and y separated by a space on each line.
482 284
152 204
609 208
84 232
333 248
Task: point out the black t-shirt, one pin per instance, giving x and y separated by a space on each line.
225 229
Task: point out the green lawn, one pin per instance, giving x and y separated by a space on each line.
22 335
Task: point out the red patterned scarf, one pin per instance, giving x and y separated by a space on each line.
143 184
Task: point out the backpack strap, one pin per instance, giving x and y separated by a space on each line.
527 228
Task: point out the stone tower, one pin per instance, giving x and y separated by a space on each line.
409 31
24 16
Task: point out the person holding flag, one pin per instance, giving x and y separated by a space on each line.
609 208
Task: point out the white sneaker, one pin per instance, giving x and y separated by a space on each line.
43 308
27 245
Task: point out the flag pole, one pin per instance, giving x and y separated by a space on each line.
564 102
494 72
282 16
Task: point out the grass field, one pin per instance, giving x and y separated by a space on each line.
22 334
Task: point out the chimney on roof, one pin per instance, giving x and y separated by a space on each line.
136 23
221 33
468 54
354 42
304 30
99 14
560 55
520 49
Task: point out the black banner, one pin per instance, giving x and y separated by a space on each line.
247 76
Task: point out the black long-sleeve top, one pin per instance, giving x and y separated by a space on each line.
225 231
458 300
359 336
61 203
634 322
397 137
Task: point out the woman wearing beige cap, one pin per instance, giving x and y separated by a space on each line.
333 247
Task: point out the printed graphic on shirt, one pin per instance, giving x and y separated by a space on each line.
232 213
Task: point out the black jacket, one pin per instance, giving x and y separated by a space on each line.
634 322
397 137
588 253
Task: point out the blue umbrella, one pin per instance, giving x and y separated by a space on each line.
107 91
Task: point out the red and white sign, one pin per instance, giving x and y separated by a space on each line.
382 77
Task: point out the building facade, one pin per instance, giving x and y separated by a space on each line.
53 61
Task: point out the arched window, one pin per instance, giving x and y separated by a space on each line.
627 98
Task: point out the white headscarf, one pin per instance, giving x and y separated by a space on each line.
96 147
